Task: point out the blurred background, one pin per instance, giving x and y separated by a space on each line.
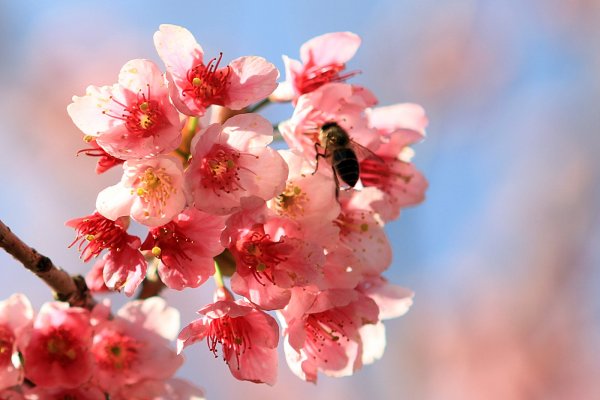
504 253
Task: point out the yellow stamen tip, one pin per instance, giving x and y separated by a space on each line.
88 138
89 238
144 106
156 251
196 81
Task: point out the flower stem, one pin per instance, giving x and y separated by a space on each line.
256 107
71 289
218 277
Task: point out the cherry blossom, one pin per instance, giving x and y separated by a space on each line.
247 336
399 126
231 161
271 257
194 85
133 118
186 247
321 331
134 345
58 353
323 59
150 191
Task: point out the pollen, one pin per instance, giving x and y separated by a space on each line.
155 187
292 201
156 251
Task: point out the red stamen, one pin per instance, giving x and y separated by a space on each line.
170 240
232 334
260 254
142 115
315 77
207 84
96 233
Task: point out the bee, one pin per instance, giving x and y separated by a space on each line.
340 150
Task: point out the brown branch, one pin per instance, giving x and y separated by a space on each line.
71 289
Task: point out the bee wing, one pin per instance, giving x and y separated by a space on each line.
362 152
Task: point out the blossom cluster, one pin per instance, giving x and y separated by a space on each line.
304 225
73 353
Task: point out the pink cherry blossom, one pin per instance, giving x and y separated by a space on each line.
247 336
124 266
134 345
323 58
16 315
271 256
186 247
308 199
105 160
321 331
96 233
133 118
58 353
150 191
399 126
231 161
195 85
334 102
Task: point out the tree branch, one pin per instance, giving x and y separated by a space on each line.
71 289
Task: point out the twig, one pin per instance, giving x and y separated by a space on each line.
71 289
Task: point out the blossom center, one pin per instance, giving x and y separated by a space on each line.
220 169
233 336
316 76
116 351
154 186
291 201
142 116
207 83
61 347
260 254
170 240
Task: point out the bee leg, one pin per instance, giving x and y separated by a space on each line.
317 146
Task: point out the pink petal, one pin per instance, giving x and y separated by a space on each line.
139 74
125 269
373 340
330 48
178 48
253 79
399 116
154 315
